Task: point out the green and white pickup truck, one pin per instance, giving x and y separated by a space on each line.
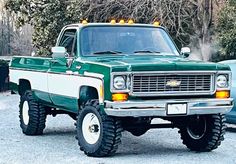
112 77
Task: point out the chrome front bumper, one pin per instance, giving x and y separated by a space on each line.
139 108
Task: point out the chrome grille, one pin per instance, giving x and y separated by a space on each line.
157 84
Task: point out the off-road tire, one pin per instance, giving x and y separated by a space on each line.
210 139
36 113
110 132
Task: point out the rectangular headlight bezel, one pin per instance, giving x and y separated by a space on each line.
228 75
127 76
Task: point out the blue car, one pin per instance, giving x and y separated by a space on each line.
231 116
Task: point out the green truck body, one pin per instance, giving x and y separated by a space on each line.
155 83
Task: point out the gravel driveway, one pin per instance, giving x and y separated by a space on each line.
58 144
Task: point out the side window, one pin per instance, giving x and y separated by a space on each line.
68 40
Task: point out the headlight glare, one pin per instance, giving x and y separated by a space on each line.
222 81
119 83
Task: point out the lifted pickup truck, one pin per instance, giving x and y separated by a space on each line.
112 77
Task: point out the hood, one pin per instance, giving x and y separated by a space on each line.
154 63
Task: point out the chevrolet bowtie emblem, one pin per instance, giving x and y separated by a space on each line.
173 83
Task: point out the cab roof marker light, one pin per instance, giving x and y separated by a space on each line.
84 22
131 21
156 23
113 21
122 21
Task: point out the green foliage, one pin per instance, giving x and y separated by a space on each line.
47 17
226 31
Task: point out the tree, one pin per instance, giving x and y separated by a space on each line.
202 25
226 31
5 30
173 14
190 22
47 18
21 43
13 41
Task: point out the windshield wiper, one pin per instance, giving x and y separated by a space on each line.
146 51
107 52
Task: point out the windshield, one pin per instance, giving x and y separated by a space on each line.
124 40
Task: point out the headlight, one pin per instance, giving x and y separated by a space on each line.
119 83
222 81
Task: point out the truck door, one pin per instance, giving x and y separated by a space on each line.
60 81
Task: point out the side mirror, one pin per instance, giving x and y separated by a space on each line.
58 52
185 52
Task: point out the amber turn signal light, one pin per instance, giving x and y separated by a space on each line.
119 96
222 94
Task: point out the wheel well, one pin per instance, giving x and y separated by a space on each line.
23 86
87 93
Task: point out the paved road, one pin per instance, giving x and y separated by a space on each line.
58 144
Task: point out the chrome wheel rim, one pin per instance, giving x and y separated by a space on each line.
25 113
91 128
